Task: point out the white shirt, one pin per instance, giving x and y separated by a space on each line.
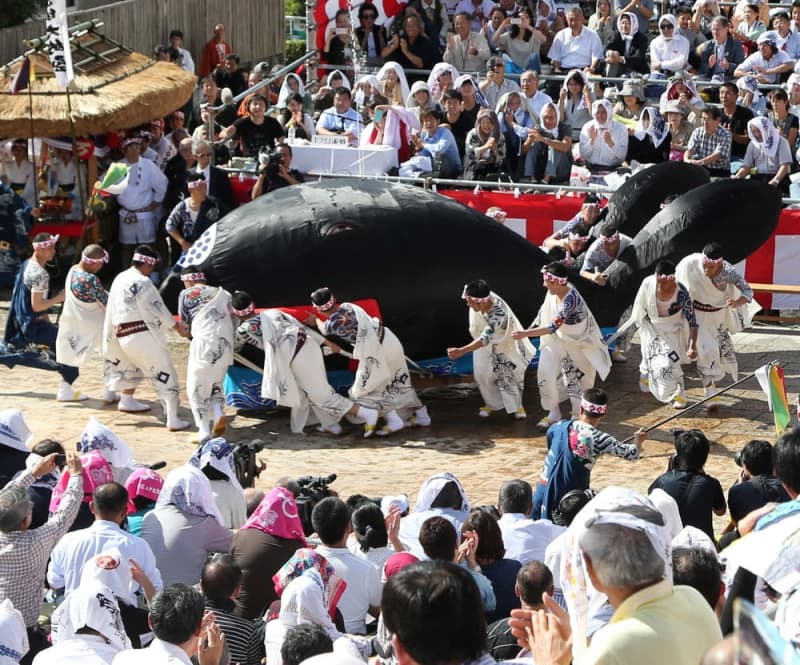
470 8
146 185
187 62
573 52
363 586
552 558
754 61
538 100
526 539
599 152
78 650
78 547
158 653
671 54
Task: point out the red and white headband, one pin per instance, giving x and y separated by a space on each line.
193 277
473 299
576 236
143 258
326 306
44 244
614 236
665 278
594 409
247 311
711 262
194 184
550 277
89 259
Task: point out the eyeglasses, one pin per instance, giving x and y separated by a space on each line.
499 65
667 26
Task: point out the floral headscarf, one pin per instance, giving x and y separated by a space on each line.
657 129
306 559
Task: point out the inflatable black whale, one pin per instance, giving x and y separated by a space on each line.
413 250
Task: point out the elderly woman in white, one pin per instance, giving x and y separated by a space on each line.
669 52
603 141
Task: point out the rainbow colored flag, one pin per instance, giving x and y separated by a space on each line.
770 378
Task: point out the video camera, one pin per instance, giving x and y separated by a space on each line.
269 162
247 468
313 489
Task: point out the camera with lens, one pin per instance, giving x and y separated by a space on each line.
247 467
269 162
313 489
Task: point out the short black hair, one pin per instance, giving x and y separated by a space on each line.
452 93
516 496
713 250
176 613
234 57
256 98
556 269
220 577
757 457
691 450
698 569
175 33
595 396
321 296
342 90
47 447
109 499
369 526
190 270
435 610
712 111
367 7
241 300
570 505
730 86
194 176
330 518
534 579
478 288
665 268
438 538
305 639
787 459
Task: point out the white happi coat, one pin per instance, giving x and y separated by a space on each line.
296 378
131 358
499 366
575 354
210 351
80 327
715 353
664 341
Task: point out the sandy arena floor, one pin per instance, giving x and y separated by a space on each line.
482 453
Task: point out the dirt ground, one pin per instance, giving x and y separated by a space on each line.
482 453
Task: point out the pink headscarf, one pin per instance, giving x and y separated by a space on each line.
397 562
96 471
277 515
143 482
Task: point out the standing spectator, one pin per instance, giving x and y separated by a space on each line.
710 145
697 494
218 184
256 131
467 49
211 95
230 76
176 42
214 51
337 50
25 552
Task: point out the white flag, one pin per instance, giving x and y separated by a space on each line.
58 46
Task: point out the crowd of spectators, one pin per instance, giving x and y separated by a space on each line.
192 565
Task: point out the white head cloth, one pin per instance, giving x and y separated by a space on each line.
345 80
770 139
433 78
14 433
691 538
668 507
401 76
657 127
49 480
96 436
285 91
13 636
554 131
110 569
218 454
608 507
634 25
604 103
189 491
91 605
431 488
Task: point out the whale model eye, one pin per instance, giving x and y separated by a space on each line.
201 249
334 229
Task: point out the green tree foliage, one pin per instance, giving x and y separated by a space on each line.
293 49
295 8
15 12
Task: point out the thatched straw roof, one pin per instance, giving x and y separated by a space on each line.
114 88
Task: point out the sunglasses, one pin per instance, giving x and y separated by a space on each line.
667 26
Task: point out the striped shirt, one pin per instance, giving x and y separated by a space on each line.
245 639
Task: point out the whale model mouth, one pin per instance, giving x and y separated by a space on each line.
337 229
200 251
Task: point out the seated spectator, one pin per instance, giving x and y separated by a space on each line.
230 76
390 125
529 86
524 539
669 52
264 543
323 98
185 526
434 14
293 117
87 627
630 103
341 119
697 494
710 145
756 485
575 102
100 473
768 153
143 487
785 121
747 27
41 491
305 640
787 40
13 640
372 534
603 140
456 120
749 95
681 88
686 28
215 458
467 49
220 586
484 149
721 54
490 27
626 53
490 555
495 85
516 119
414 50
767 63
442 495
699 568
439 541
651 141
370 36
254 132
520 43
293 85
310 590
439 144
680 129
177 617
362 594
533 580
440 80
703 16
394 86
602 21
576 46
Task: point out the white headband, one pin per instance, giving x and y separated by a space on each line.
550 277
44 244
143 258
193 277
326 306
594 409
469 298
102 259
243 312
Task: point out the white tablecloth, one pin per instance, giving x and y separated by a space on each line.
333 159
